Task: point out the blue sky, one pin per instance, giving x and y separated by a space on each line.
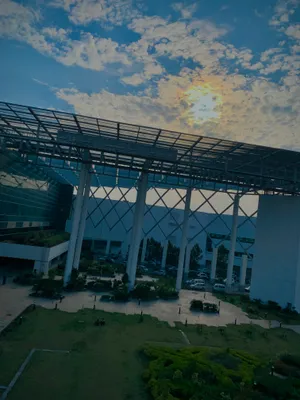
228 69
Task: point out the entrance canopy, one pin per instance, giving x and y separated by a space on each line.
121 151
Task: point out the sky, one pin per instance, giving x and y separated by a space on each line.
227 69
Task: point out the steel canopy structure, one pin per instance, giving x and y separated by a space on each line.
121 151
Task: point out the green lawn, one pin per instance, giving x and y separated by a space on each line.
106 362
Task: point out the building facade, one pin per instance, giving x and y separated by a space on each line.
107 229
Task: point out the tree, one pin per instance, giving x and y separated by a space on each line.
154 250
196 255
222 261
172 254
125 278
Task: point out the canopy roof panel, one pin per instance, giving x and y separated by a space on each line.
121 151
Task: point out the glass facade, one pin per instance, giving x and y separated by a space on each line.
30 196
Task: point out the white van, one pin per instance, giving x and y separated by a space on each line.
219 287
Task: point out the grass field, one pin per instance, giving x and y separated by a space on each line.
106 362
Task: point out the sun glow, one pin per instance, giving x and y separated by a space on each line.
202 104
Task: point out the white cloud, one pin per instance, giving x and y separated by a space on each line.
253 110
92 53
293 31
89 52
82 12
185 11
56 34
195 40
151 69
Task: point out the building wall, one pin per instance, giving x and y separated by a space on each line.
112 229
31 196
36 253
276 268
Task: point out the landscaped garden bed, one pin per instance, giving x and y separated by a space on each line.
203 373
204 306
42 238
259 310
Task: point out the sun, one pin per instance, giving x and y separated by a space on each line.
202 104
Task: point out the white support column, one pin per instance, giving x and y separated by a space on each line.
187 259
144 249
82 221
214 264
137 229
231 256
37 267
107 248
184 232
243 269
45 268
75 224
164 255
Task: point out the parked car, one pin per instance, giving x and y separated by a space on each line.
219 287
198 286
203 275
197 280
143 268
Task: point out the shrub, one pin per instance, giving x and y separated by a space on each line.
273 305
125 278
99 285
195 373
52 273
116 283
48 288
85 264
121 293
76 283
196 305
144 291
167 293
291 359
251 310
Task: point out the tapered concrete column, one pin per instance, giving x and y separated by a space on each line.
187 259
185 226
137 229
164 255
82 221
45 268
144 249
107 248
243 270
37 267
214 263
75 224
235 216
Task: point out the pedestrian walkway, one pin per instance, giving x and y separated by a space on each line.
14 299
